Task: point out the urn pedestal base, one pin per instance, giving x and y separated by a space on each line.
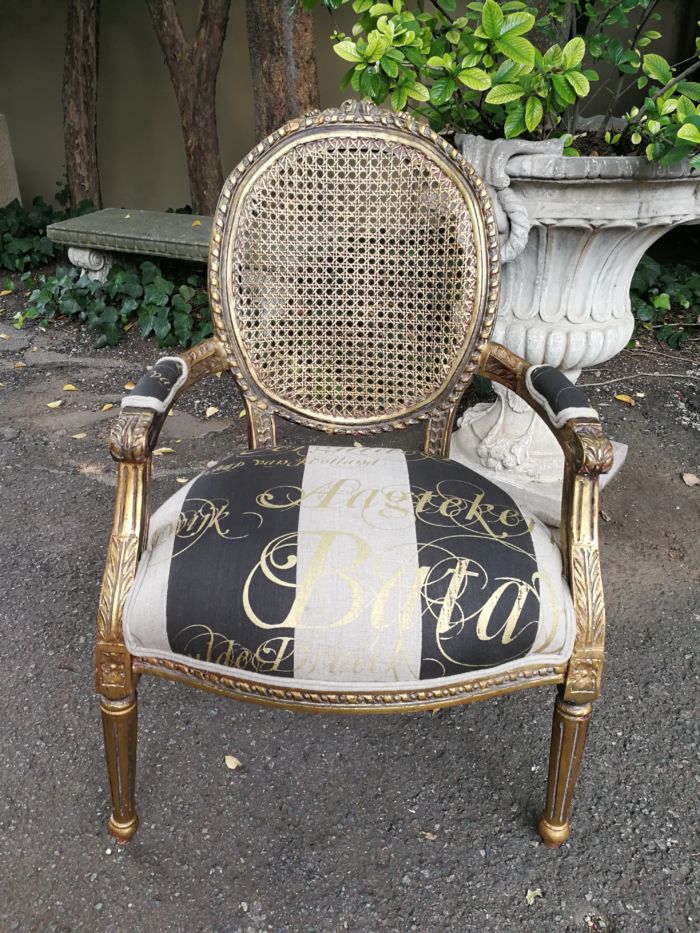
536 463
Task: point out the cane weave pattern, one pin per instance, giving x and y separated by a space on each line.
353 277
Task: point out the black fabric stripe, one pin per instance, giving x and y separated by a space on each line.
230 522
557 389
473 540
157 382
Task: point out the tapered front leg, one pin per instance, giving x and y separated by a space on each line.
119 724
568 740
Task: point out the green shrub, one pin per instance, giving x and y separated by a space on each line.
472 67
23 240
176 313
666 300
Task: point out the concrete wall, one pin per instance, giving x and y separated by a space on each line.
141 155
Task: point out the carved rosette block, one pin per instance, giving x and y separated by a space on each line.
565 290
569 731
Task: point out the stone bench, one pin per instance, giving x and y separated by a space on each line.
96 240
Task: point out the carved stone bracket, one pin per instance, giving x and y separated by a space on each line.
94 263
490 158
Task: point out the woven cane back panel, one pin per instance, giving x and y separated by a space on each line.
352 277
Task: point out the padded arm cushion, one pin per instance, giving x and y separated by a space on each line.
559 397
158 386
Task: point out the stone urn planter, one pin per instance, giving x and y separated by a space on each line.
572 233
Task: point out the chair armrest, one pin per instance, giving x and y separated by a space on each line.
134 435
135 432
587 454
561 404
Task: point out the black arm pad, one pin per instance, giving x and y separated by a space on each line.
559 397
157 388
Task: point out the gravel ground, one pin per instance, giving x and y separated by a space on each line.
422 822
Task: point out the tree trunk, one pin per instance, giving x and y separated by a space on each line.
282 61
562 33
80 101
194 67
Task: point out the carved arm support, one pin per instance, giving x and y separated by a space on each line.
133 437
587 454
135 432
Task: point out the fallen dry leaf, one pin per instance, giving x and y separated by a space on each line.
218 375
356 444
129 385
690 479
69 387
90 469
627 399
212 410
532 895
243 414
56 404
181 480
20 365
231 762
107 406
429 836
5 336
159 451
196 223
80 436
171 413
5 291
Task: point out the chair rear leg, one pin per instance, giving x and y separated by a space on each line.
568 740
119 724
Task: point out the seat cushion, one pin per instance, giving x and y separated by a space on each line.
346 566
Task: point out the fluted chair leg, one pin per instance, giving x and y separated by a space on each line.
119 724
568 740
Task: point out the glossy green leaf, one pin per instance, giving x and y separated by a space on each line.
389 66
515 122
657 68
504 94
399 98
534 111
573 52
442 90
418 91
517 24
690 133
565 95
475 78
491 19
578 82
517 48
347 50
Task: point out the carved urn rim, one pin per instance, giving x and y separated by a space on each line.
553 166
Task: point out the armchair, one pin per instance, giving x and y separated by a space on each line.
353 279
